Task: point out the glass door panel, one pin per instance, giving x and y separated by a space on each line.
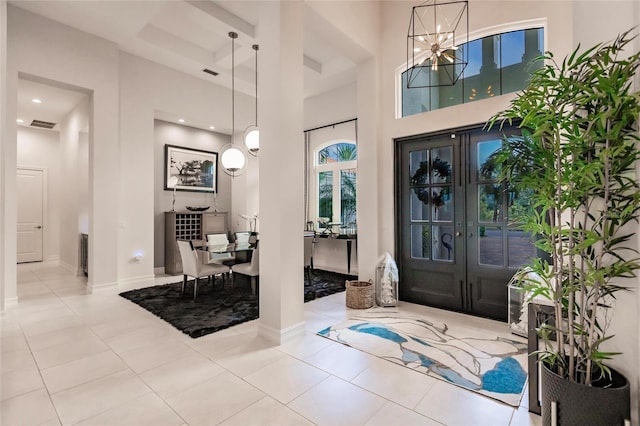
420 241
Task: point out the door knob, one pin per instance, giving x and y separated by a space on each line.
38 227
458 234
470 234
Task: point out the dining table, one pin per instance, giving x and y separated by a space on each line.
242 250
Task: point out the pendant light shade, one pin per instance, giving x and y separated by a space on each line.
252 139
232 158
252 133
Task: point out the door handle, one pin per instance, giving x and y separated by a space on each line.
470 234
38 227
458 234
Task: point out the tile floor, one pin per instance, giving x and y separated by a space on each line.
72 358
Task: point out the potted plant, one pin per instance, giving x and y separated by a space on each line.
576 156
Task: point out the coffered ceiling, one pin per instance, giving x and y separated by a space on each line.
191 35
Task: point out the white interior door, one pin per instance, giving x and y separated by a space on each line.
30 202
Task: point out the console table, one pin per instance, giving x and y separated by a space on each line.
349 240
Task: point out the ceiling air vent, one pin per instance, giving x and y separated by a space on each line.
208 71
43 124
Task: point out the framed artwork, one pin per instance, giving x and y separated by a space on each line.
195 170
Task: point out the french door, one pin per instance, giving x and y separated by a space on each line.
457 247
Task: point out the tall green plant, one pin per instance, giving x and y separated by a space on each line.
577 157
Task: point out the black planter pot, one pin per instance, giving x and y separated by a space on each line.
583 405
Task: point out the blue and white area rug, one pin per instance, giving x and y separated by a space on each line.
470 358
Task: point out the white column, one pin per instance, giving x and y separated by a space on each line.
367 183
280 78
8 158
104 181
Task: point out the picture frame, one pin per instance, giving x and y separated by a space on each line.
195 169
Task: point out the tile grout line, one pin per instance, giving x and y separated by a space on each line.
110 349
44 384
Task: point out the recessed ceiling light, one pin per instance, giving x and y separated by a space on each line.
20 120
181 120
212 127
36 101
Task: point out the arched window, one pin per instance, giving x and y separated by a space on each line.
498 64
335 172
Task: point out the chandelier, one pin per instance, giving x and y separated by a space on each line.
438 33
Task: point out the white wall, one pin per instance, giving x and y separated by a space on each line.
8 227
359 21
125 94
190 137
596 22
330 107
355 29
3 110
84 199
146 87
74 177
40 149
57 53
281 188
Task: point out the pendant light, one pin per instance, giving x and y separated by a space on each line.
252 133
436 43
231 157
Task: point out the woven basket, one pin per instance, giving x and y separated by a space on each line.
359 294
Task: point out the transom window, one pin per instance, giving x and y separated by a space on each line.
335 171
498 64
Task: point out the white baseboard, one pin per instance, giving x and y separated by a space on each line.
8 302
109 288
336 268
53 258
283 336
144 279
69 268
132 283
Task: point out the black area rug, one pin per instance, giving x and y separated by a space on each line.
217 308
324 283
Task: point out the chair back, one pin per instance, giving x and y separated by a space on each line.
189 256
308 250
245 237
255 261
217 239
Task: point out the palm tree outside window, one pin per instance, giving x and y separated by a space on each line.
336 174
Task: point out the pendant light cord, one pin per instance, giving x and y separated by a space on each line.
255 47
233 84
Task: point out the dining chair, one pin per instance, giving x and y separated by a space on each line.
192 266
309 242
250 269
221 258
245 237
